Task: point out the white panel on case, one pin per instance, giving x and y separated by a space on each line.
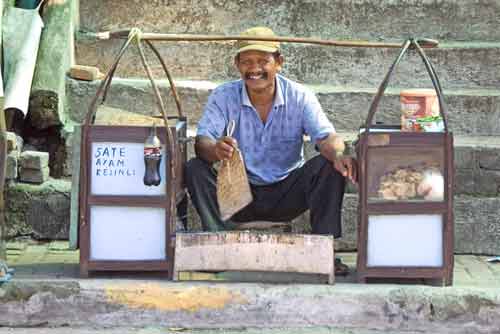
405 240
127 233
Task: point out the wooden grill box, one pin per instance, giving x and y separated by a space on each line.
404 231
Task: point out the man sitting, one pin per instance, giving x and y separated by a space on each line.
272 114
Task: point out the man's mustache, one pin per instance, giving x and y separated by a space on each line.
265 75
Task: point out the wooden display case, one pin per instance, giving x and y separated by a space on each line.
405 222
125 225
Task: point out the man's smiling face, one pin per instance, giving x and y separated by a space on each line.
258 69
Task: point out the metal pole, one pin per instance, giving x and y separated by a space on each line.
121 34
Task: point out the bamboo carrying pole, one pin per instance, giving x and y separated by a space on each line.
123 34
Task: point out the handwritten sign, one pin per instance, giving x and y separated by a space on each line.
118 169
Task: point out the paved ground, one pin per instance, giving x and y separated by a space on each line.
46 296
54 260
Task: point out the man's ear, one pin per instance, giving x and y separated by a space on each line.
280 60
236 61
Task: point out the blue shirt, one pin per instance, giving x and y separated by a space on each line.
273 149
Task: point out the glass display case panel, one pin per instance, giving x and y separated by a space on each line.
127 233
405 174
405 241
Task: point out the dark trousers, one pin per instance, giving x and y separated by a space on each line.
316 186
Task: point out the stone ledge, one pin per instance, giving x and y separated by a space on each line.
101 303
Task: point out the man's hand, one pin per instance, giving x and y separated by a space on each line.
332 148
347 166
224 147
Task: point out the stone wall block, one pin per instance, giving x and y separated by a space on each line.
481 218
11 141
49 216
41 211
34 160
348 240
489 159
464 238
43 110
11 172
464 181
487 182
37 176
14 142
465 158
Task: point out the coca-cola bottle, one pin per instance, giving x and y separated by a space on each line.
152 159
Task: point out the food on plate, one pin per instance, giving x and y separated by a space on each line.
408 182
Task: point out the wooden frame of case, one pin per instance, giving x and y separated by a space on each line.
174 192
368 146
385 138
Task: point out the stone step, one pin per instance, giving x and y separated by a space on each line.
43 211
469 111
247 308
458 64
476 160
342 19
